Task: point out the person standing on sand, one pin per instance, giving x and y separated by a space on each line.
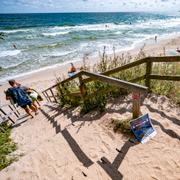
33 94
19 96
155 38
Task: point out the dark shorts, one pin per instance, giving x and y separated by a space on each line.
28 104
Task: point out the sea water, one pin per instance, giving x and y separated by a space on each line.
50 39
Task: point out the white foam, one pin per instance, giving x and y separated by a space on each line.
9 53
55 33
173 22
14 31
153 24
58 54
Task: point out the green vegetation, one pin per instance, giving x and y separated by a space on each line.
122 126
6 147
98 93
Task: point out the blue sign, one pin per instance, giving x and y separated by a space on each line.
143 128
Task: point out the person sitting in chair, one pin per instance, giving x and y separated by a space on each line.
72 70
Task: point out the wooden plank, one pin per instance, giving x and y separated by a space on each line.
121 68
138 79
165 59
148 73
13 110
74 94
53 95
117 82
7 116
82 87
47 96
16 109
168 78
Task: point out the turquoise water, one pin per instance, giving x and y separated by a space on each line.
44 40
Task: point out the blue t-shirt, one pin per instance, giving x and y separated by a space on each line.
19 96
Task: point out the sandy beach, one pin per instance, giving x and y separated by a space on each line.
62 145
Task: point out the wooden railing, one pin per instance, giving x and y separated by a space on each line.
136 89
8 112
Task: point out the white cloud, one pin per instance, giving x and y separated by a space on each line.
89 5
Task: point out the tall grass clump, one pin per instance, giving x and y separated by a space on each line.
121 126
95 98
6 147
171 89
66 94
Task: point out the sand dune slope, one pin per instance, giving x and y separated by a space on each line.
61 145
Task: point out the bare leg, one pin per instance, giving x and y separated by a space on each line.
38 103
28 111
33 108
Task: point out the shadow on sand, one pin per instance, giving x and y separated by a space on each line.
112 168
81 156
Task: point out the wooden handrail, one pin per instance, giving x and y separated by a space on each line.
121 68
65 81
124 84
168 78
164 59
148 76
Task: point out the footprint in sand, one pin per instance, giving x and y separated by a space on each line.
111 135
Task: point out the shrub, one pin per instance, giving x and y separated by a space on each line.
122 126
6 147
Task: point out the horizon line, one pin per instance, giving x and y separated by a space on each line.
85 12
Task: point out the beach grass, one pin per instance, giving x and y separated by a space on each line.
98 93
7 146
122 126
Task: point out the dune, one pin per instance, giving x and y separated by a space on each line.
60 144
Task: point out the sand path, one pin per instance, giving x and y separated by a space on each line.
60 145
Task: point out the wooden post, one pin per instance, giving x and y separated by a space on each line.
82 87
148 73
136 105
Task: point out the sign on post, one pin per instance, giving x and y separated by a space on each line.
143 128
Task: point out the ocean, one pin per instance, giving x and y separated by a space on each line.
50 39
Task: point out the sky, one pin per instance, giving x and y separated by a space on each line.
40 6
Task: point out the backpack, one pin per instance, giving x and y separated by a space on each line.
18 95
